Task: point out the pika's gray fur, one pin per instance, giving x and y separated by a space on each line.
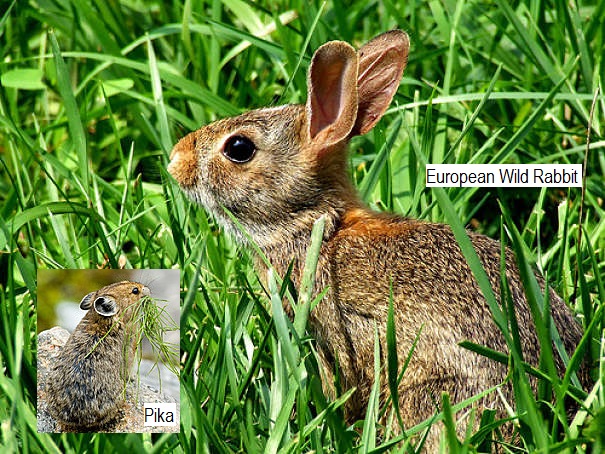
86 384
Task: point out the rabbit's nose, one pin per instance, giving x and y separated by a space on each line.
185 145
184 166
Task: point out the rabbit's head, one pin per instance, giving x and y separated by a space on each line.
278 169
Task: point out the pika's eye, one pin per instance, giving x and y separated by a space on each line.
135 290
239 149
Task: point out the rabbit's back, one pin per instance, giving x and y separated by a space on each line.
437 304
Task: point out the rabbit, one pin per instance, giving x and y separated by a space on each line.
278 169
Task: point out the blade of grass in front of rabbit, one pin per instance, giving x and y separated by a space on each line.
307 285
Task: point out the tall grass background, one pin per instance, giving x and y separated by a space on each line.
94 94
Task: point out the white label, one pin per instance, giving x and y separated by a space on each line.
160 414
504 175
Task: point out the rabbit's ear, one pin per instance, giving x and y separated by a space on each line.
332 100
381 64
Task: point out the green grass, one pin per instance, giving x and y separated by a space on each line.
93 95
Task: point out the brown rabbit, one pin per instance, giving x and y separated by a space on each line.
277 170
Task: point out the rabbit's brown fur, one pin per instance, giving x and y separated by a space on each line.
297 172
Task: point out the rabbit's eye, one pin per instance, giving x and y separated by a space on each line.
239 149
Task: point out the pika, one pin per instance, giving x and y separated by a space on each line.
86 384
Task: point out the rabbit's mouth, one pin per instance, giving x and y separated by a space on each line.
184 179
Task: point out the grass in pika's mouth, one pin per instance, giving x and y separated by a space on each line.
152 320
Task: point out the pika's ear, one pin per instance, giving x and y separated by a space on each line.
381 64
106 306
332 98
86 302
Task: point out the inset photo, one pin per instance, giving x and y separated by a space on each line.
108 351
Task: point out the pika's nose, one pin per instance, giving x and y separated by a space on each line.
146 291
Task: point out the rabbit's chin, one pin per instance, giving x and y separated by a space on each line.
243 233
268 234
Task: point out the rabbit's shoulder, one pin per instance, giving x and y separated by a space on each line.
417 257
